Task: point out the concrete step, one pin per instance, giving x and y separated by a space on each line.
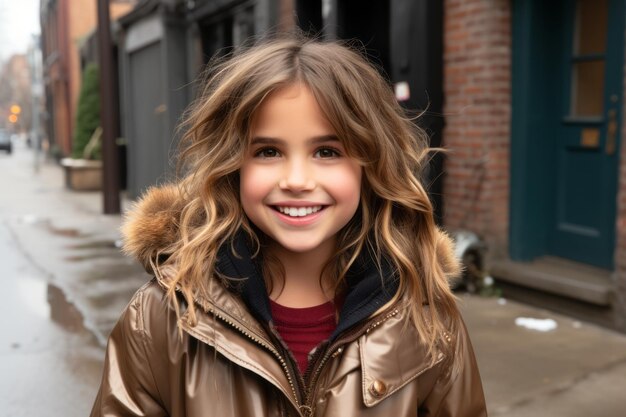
558 276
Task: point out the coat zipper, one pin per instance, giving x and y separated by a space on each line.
257 340
267 346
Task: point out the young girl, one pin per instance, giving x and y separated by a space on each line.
298 269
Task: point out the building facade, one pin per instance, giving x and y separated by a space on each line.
64 26
534 107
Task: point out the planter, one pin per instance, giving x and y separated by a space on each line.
82 174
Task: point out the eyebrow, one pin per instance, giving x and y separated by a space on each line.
262 140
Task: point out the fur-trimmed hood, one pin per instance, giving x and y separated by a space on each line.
152 224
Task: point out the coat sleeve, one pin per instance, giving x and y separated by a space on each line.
128 386
460 393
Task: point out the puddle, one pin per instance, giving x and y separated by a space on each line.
85 251
91 256
98 244
48 226
49 302
46 223
102 301
123 269
68 232
108 249
62 311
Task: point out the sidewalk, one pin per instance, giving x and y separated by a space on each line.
577 369
65 236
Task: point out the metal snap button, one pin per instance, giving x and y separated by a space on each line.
378 388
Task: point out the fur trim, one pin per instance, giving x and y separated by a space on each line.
450 264
151 224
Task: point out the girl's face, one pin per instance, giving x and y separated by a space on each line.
297 184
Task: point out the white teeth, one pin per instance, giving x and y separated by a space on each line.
299 211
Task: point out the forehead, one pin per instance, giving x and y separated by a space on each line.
291 111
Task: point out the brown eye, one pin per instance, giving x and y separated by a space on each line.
327 153
267 153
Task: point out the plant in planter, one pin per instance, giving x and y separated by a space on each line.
83 171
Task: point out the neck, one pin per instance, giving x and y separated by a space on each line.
304 285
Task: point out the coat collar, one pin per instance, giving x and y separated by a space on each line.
369 287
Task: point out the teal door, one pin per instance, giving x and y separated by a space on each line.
587 133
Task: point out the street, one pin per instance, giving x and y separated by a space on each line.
66 282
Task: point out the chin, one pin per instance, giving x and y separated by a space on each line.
297 247
299 244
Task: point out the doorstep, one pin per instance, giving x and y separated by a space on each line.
558 276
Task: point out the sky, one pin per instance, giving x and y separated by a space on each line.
18 20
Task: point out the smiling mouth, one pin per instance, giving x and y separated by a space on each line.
298 211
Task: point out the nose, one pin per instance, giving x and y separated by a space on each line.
297 177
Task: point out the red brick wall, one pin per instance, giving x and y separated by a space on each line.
477 89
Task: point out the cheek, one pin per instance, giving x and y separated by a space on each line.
347 187
251 189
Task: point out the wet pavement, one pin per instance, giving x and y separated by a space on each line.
66 283
49 363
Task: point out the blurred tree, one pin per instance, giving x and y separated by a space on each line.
87 113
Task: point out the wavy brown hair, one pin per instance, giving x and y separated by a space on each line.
395 216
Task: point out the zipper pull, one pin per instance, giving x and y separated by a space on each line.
306 411
337 352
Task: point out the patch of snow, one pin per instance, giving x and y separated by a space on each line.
541 325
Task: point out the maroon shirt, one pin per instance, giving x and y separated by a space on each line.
304 328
